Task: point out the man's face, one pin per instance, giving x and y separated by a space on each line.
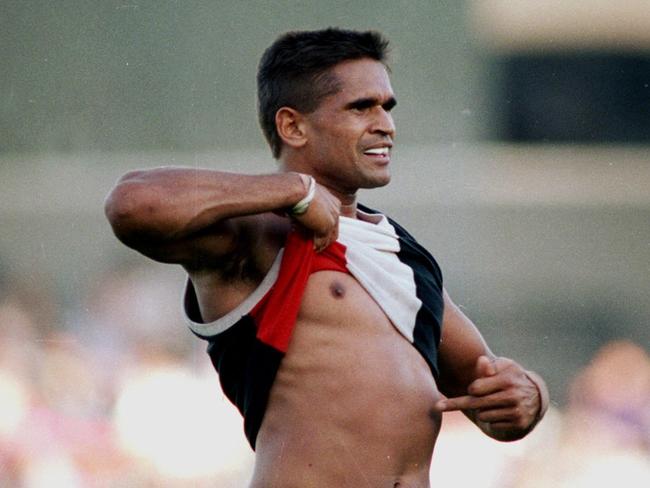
350 134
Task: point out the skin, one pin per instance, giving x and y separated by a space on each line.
225 229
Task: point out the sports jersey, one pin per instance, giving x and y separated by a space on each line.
246 346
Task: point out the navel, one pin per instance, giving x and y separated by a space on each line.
337 289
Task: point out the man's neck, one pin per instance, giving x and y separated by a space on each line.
349 210
348 200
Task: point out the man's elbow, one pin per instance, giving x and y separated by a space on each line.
126 206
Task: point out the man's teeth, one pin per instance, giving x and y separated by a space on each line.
381 151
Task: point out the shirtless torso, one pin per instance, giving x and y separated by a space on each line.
353 401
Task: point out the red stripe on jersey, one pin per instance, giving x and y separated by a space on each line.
276 313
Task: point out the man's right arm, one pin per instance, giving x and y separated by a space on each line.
181 215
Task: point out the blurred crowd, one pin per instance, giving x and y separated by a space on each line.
116 392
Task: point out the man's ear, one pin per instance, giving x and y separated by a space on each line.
290 125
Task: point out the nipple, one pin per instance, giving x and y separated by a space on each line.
337 289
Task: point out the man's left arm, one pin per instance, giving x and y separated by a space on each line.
503 399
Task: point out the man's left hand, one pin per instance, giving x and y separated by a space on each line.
503 400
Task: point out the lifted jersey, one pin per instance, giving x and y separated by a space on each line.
247 344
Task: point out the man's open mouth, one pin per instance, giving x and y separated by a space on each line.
378 151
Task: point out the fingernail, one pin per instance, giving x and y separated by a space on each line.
442 404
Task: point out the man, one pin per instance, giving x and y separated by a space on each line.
327 322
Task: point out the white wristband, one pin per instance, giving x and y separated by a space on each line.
302 206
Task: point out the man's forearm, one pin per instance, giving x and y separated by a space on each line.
172 203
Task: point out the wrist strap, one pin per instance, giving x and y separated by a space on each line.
302 206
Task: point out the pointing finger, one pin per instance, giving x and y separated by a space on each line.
470 402
457 403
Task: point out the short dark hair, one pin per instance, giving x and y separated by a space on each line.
294 71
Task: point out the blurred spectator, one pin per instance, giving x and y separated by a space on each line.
604 439
614 393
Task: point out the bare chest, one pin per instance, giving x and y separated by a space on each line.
343 339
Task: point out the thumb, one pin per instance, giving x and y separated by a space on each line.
485 366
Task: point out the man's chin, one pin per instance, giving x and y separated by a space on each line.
377 181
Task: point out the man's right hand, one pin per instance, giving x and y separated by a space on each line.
322 218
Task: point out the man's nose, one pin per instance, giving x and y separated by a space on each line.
384 122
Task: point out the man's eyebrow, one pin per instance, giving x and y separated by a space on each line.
367 102
390 103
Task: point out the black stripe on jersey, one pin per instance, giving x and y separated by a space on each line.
428 283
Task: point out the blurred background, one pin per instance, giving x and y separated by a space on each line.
522 163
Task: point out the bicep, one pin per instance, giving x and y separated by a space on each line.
460 347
